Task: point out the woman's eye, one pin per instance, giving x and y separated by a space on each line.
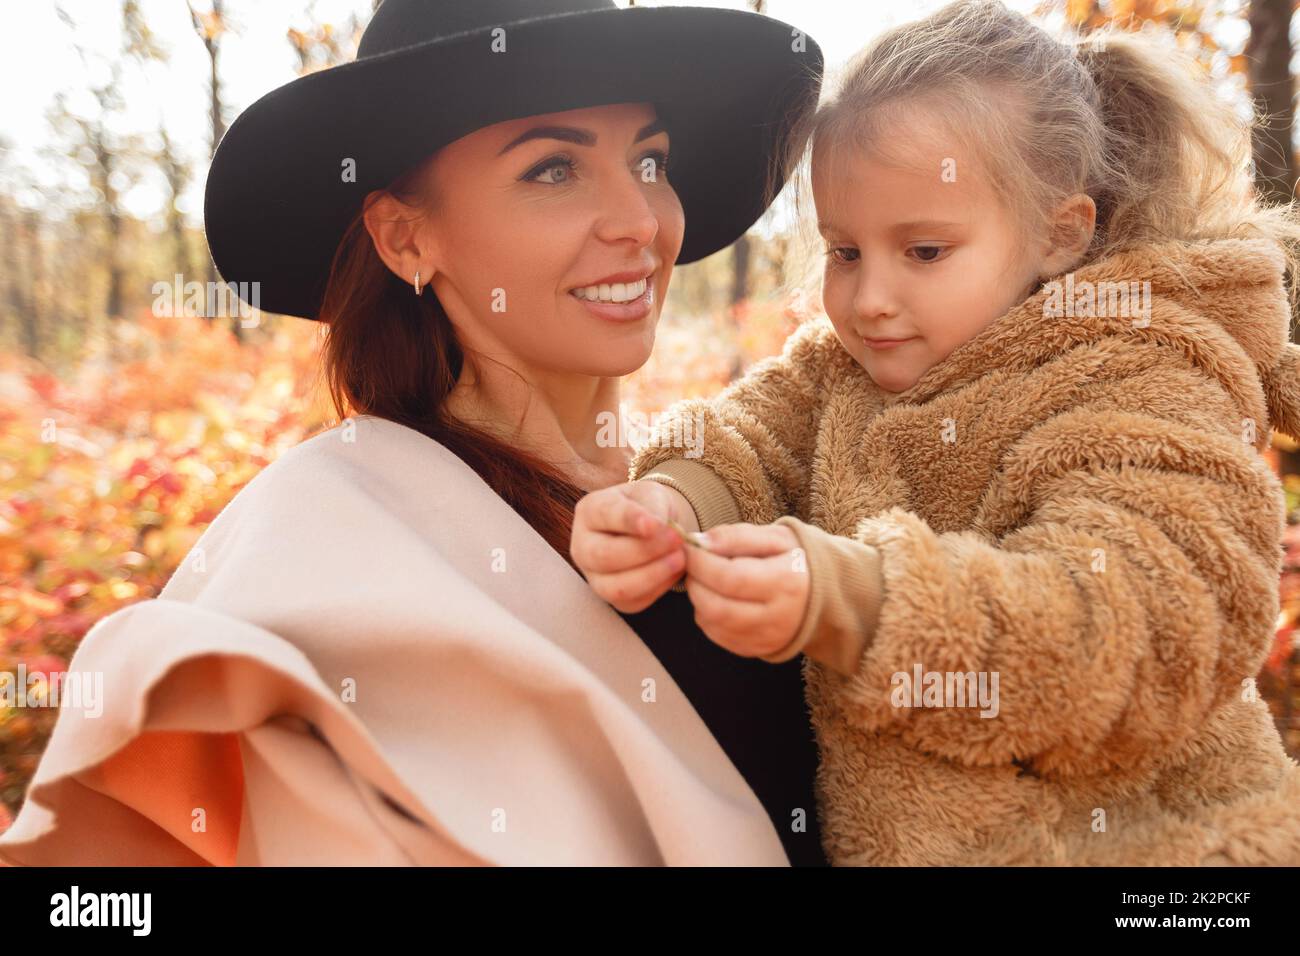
842 254
653 165
936 250
561 165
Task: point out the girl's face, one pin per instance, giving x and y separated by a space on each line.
918 261
550 240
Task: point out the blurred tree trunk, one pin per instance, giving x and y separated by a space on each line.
102 176
106 160
104 180
1268 57
177 173
35 314
210 27
742 249
740 255
210 30
24 240
113 162
140 44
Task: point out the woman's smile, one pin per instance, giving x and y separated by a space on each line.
628 300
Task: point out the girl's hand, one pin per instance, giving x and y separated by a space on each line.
750 587
622 546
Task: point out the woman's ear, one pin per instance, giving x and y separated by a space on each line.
1073 226
398 231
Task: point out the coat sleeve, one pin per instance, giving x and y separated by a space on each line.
1126 588
745 454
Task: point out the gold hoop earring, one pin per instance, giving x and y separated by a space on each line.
417 281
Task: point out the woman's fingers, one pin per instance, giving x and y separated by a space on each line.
613 510
604 553
636 589
653 499
628 555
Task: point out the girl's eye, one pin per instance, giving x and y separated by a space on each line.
842 254
937 250
562 165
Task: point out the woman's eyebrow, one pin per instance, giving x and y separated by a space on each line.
570 134
658 126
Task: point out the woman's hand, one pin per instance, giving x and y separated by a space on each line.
620 542
750 587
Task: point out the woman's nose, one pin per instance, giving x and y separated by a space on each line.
627 212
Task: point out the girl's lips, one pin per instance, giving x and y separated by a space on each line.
885 343
621 311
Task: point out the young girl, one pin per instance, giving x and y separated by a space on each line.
1009 500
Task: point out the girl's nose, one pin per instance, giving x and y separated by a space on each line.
874 297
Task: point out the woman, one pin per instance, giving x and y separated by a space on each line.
380 651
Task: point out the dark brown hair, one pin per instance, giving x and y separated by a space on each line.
394 355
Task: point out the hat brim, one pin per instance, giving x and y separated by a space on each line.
728 83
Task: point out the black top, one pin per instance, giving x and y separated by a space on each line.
756 710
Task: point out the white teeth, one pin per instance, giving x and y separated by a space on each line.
617 292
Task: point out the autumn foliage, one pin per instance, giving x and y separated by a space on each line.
110 473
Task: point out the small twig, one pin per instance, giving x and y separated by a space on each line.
690 537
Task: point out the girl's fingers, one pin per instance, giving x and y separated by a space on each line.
742 579
636 589
721 616
752 540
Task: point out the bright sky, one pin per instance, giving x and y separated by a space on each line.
38 59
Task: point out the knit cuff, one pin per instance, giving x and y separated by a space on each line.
846 587
709 496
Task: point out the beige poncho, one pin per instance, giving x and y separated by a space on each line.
370 658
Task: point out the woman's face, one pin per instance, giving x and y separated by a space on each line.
551 239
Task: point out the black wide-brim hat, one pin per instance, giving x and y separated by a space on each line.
728 84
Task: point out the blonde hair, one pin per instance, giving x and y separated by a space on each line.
1111 114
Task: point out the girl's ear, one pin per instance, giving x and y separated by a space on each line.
1072 230
401 237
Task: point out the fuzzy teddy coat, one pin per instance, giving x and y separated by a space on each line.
1075 504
